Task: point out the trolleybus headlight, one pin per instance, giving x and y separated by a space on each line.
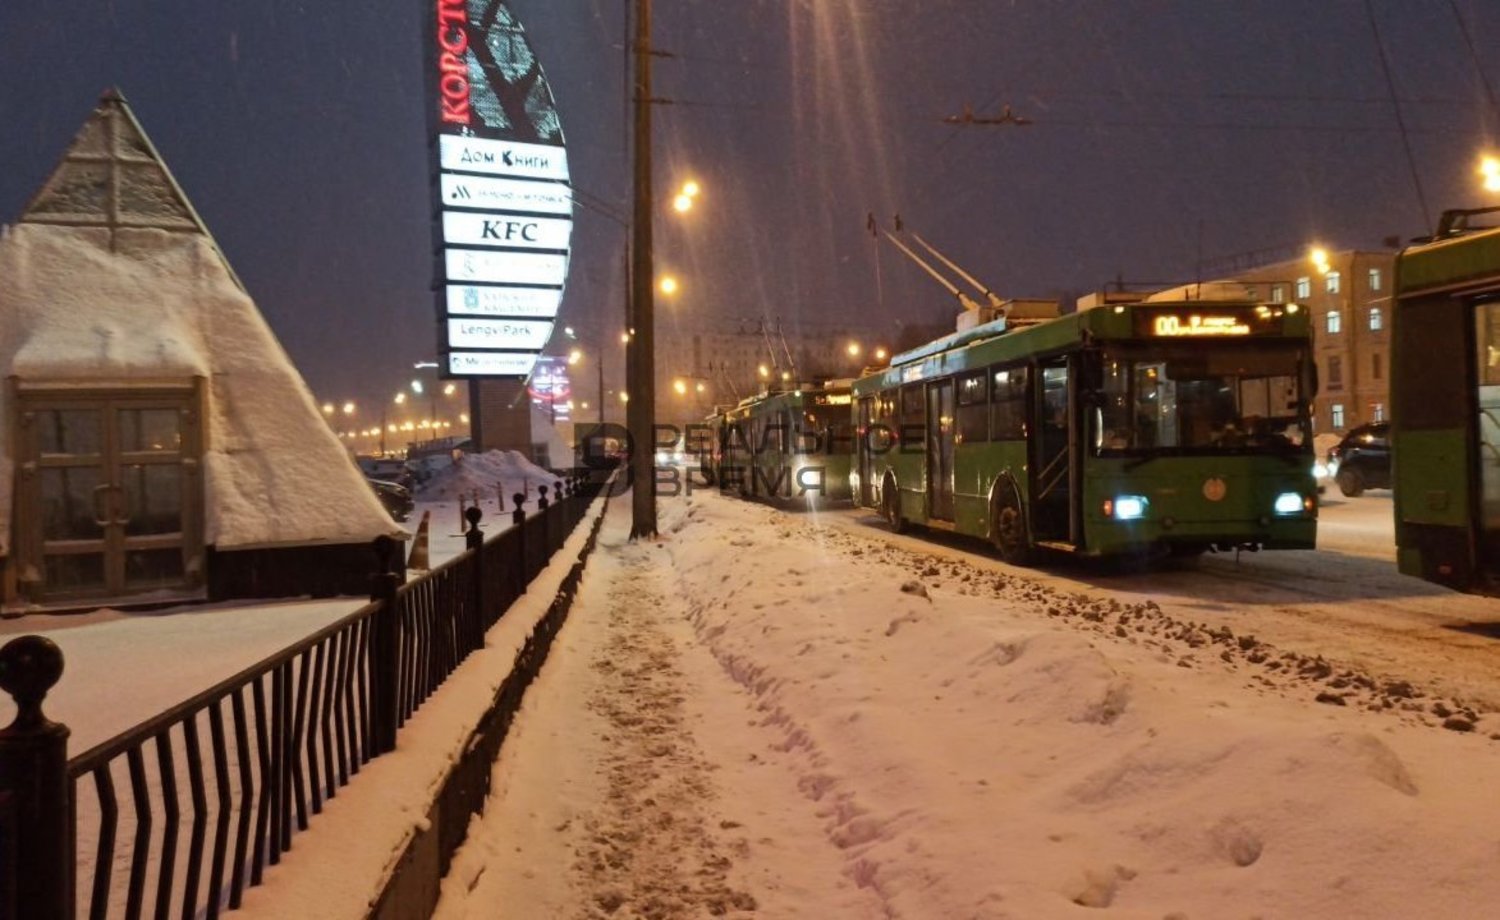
1125 507
1290 503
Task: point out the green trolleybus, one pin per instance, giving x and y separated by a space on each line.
1126 428
1445 405
789 445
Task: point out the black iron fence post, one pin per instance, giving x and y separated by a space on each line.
518 518
474 542
34 785
385 650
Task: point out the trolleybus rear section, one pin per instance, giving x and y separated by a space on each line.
1124 429
1445 405
786 446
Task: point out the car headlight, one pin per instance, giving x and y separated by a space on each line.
1125 507
1292 503
1319 471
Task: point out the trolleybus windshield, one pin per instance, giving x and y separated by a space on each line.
1202 398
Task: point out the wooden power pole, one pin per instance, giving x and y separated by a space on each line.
640 352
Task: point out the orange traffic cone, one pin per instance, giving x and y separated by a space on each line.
418 558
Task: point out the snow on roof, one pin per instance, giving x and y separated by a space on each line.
94 293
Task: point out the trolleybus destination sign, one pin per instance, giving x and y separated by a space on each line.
502 201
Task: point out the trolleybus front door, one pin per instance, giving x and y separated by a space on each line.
1486 436
1052 459
940 427
866 418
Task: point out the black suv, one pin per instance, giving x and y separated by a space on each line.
1362 460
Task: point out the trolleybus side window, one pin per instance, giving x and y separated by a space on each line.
913 434
1008 403
973 408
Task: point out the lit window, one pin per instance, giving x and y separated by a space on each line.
1374 281
1377 412
1304 288
1335 321
1336 411
1278 293
1377 320
1331 281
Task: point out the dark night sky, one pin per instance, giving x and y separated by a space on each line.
1164 133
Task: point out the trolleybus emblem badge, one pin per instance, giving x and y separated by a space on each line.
1214 489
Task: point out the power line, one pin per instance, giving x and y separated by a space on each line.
1390 83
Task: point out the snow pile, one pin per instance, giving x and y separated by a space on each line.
829 725
486 475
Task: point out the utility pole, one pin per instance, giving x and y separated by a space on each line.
640 371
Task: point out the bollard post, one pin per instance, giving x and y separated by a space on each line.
541 503
474 541
385 650
35 794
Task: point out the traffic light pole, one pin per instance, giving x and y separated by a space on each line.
640 352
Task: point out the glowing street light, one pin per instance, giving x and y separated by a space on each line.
1319 257
449 389
400 399
669 284
880 354
328 408
575 356
680 387
348 408
764 371
1489 169
853 349
682 202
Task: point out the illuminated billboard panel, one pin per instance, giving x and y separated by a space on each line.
505 195
481 300
502 203
502 158
499 267
506 334
469 228
490 363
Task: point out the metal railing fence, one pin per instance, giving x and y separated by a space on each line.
207 794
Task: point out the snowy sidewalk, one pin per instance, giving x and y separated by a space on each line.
760 716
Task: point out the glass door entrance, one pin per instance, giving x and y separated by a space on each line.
110 495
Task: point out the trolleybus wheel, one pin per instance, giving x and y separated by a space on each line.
1010 530
890 506
1350 483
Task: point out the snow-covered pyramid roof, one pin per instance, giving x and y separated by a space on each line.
110 277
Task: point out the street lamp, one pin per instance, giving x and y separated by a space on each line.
669 284
1319 258
1489 170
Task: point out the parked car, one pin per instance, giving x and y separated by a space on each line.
1362 460
395 497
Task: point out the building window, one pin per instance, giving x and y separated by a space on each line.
1375 365
1304 288
1278 293
1336 411
1374 280
1377 412
1377 319
1335 321
1331 282
1335 372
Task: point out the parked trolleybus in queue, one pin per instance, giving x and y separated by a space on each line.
1445 405
1125 428
793 444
